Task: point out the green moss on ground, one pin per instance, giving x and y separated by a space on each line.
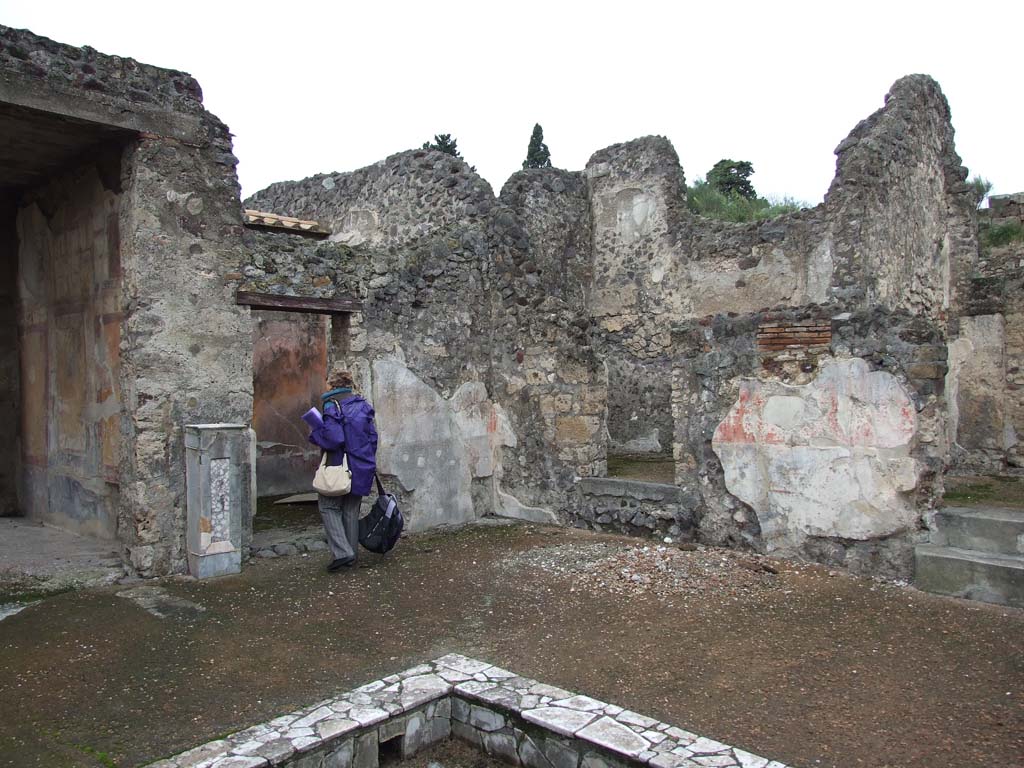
982 490
649 467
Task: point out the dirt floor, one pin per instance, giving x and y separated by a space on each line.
272 516
793 662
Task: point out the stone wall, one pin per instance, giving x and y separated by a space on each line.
637 192
829 442
410 242
69 294
10 386
186 345
107 81
639 508
904 229
997 261
161 342
548 377
986 378
469 344
655 262
831 452
556 304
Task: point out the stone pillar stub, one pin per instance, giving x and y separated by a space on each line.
220 496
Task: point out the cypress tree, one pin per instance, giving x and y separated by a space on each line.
537 155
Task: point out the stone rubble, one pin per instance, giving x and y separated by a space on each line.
515 719
664 571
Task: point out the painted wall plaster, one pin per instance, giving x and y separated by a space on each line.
829 458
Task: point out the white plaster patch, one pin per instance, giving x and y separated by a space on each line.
435 446
831 458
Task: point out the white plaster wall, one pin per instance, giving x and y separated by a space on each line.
976 388
829 458
435 446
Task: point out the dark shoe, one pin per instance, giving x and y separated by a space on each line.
337 565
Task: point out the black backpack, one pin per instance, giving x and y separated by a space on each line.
380 529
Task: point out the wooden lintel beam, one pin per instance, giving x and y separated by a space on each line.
334 306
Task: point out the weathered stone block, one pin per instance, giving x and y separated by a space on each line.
502 745
927 370
485 719
416 734
570 430
561 753
365 751
341 756
467 733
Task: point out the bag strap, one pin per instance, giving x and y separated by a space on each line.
380 488
341 418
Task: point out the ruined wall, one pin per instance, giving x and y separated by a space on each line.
549 314
69 290
10 387
470 343
905 231
187 348
655 263
409 239
829 450
637 192
289 369
547 374
986 377
125 265
822 431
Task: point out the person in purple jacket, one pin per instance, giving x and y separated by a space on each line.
348 429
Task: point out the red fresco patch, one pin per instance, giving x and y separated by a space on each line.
745 421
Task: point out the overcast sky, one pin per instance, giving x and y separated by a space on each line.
316 87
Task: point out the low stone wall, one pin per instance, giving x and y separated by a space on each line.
512 718
637 507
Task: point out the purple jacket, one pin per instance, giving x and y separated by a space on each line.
351 432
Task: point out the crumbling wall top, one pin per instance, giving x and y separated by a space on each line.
86 68
645 156
82 83
395 201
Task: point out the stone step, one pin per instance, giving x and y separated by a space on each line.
982 529
984 576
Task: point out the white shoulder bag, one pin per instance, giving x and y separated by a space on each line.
333 481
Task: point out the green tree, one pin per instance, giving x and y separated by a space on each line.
704 200
979 189
732 177
537 154
443 142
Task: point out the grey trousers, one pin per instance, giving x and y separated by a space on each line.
341 521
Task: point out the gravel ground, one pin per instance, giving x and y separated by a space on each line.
669 573
814 668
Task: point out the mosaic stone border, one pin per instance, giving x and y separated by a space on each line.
515 719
